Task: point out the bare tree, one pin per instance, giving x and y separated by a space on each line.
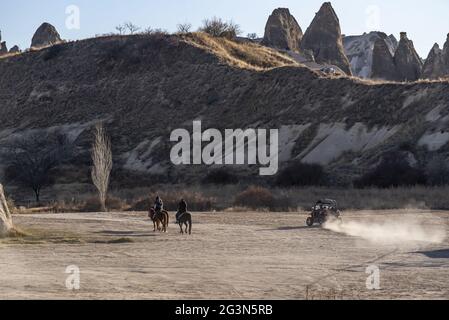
31 159
132 28
148 31
184 27
6 224
102 163
234 29
121 29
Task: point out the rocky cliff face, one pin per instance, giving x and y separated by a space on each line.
144 87
437 62
324 39
282 31
359 50
45 35
383 66
408 63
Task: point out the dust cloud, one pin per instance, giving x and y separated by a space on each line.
395 230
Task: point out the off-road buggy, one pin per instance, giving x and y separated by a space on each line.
322 211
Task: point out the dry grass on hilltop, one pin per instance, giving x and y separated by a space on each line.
245 55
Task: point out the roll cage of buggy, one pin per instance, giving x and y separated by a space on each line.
322 211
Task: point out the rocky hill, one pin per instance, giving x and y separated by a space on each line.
144 87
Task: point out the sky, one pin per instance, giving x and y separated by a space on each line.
425 22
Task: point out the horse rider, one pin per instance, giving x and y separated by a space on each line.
182 208
158 205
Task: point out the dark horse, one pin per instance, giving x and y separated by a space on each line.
159 219
185 219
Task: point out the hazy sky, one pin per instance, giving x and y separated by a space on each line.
426 22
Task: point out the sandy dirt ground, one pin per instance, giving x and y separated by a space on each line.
229 256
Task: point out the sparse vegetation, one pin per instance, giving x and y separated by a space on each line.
255 198
131 27
196 201
184 27
247 55
121 29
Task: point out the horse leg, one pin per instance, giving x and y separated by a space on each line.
190 227
182 231
154 226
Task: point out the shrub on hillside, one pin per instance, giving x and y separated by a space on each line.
301 174
393 171
221 176
255 198
437 172
217 27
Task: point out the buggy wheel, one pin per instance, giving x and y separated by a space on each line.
322 220
310 222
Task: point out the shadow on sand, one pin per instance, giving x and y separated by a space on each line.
436 254
126 233
291 228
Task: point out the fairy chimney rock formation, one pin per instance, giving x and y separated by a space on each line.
408 63
282 31
383 63
437 62
324 38
45 35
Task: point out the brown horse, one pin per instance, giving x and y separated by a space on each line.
159 219
185 219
